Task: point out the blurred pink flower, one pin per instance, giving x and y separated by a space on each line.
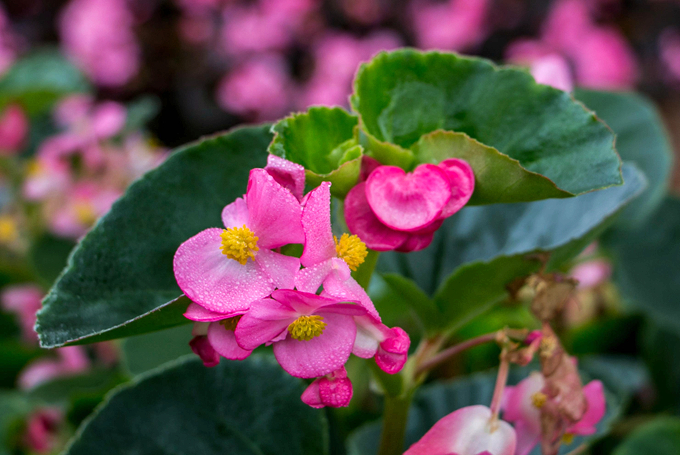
98 36
42 427
367 12
13 130
669 44
81 206
592 273
70 360
456 25
604 60
9 42
259 88
24 300
553 70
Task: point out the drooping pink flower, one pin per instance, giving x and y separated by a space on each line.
288 174
214 335
259 89
395 210
42 428
467 431
522 407
333 390
98 36
70 360
13 130
24 300
224 270
456 25
312 335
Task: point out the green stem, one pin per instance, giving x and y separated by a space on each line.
365 271
395 417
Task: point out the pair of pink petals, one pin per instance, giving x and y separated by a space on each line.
396 210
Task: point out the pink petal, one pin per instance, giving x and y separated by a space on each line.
265 320
316 221
466 431
305 303
408 201
518 404
224 342
368 165
309 279
320 355
597 405
336 393
288 174
311 396
527 438
365 344
362 221
275 214
280 269
108 118
416 242
196 312
462 181
393 351
13 129
203 348
349 289
212 280
236 214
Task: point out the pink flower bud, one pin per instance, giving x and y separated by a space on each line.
13 130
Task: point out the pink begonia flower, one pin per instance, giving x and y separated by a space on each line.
669 45
24 300
522 404
260 88
249 29
456 25
395 210
467 431
333 390
312 335
84 203
224 270
42 429
13 130
288 174
98 36
553 70
366 12
70 360
566 24
592 273
604 60
214 335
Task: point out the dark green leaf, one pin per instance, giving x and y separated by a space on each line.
122 269
658 437
404 94
15 408
145 352
65 389
48 256
662 355
249 407
640 138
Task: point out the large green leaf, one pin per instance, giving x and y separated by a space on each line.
481 250
249 407
640 138
404 94
661 436
14 407
145 352
647 269
122 269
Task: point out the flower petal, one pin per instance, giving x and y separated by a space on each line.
309 279
597 405
320 355
408 201
316 222
281 269
235 214
287 174
349 290
196 312
265 320
362 221
311 396
224 342
462 181
393 351
275 214
217 283
304 303
202 348
416 242
336 393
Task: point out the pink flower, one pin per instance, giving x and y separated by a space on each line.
84 203
395 210
669 44
553 70
467 431
454 25
42 429
224 270
333 390
604 60
70 360
287 174
98 36
522 406
312 335
592 273
259 88
25 301
250 29
13 130
214 335
9 42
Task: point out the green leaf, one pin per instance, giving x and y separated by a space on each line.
659 437
146 352
647 270
640 138
498 178
249 407
404 94
38 80
480 250
48 256
140 112
15 408
661 351
121 272
322 140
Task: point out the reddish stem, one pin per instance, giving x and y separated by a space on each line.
454 350
501 379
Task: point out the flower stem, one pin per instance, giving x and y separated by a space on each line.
501 379
395 417
365 271
453 351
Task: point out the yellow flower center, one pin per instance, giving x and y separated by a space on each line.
351 249
34 168
568 438
230 324
239 244
85 213
8 229
538 399
306 327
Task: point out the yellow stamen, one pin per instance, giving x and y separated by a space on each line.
538 399
547 346
34 168
568 438
306 327
230 324
351 249
8 229
85 213
239 244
